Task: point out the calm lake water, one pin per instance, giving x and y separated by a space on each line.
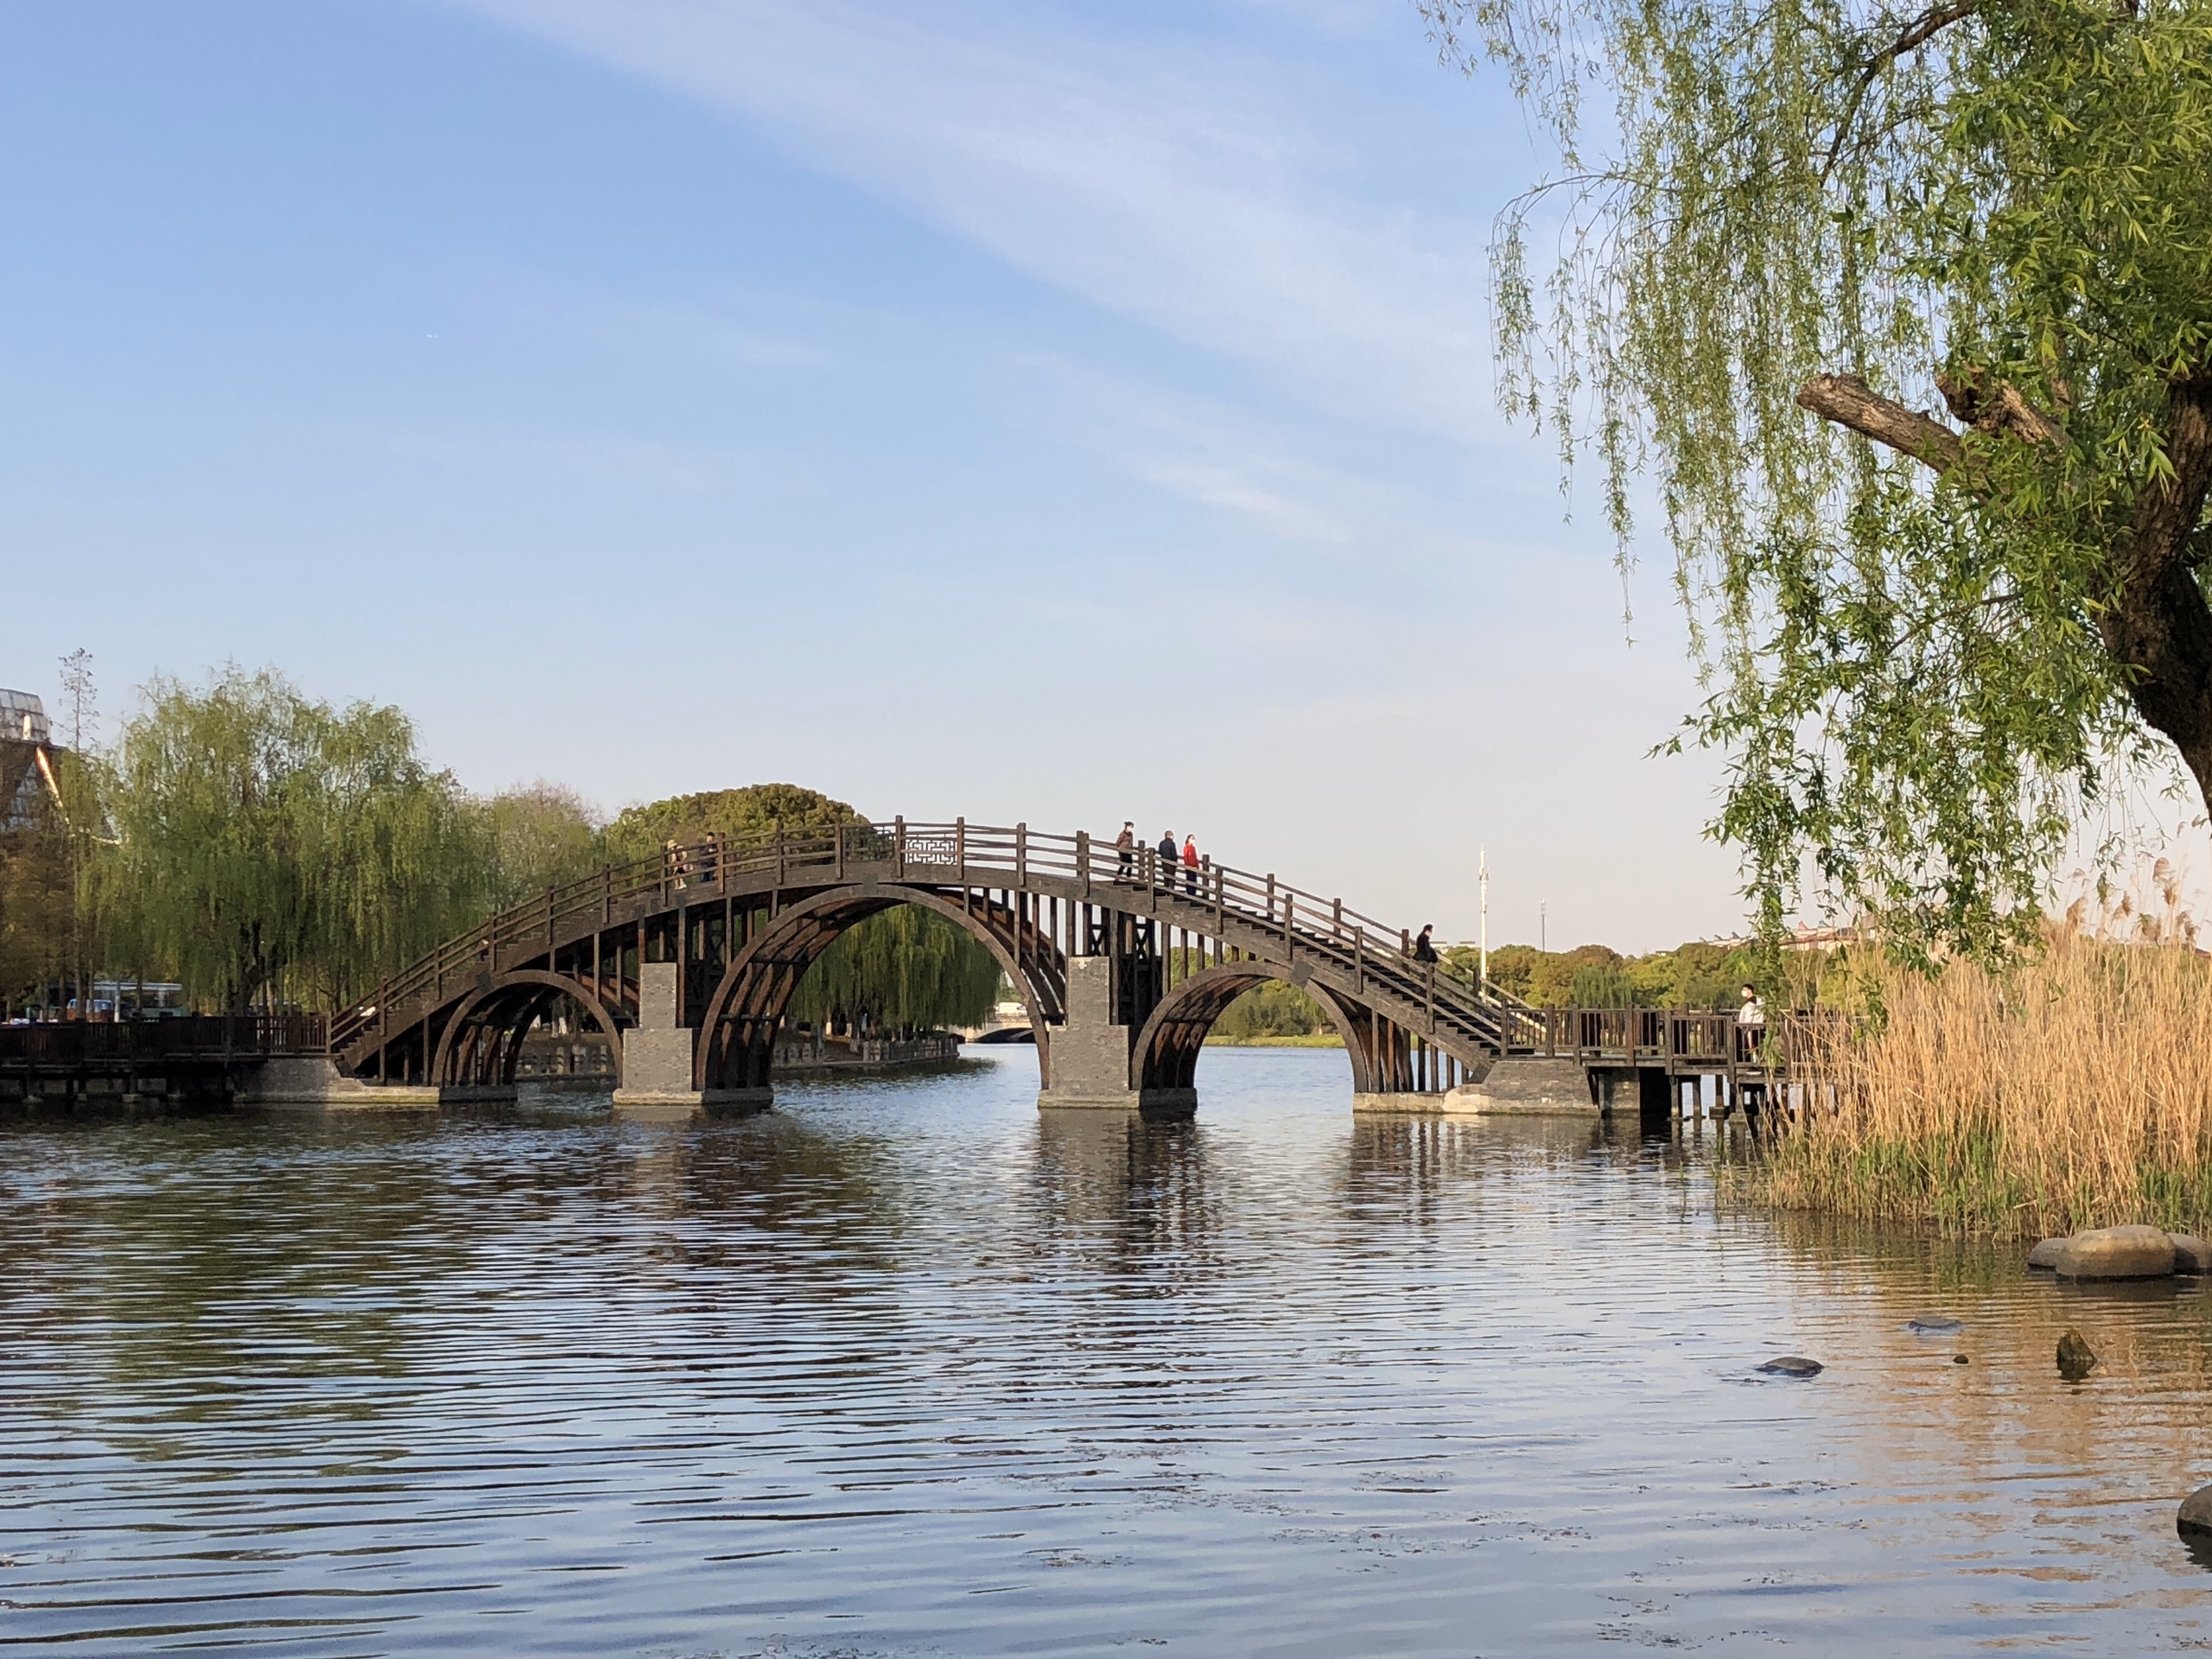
905 1369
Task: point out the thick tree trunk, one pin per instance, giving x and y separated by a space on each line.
2158 627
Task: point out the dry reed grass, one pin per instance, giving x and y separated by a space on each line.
2073 1089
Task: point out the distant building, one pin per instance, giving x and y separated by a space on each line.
1800 938
26 781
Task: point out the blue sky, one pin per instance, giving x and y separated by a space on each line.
1058 413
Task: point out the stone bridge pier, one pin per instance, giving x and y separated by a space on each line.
1088 1065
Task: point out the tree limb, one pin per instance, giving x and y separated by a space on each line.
1919 32
2003 410
1848 401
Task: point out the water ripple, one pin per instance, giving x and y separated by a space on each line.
907 1368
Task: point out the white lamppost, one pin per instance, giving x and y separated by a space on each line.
1482 946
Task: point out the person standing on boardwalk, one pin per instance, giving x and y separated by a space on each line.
1751 1024
1125 847
1191 865
1423 950
1167 855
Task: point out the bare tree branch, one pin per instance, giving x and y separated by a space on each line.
2003 410
1848 401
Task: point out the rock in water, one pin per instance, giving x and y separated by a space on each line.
1933 1325
2191 1254
2118 1253
2195 1520
2044 1256
1792 1365
1961 1359
2077 1359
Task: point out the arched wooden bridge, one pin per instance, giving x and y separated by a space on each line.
689 961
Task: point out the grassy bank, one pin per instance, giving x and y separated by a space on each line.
1311 1040
2075 1091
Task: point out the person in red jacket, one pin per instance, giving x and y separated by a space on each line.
1191 865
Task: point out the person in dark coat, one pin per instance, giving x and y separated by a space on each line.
1423 950
1170 855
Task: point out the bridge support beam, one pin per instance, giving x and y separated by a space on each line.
657 1056
1626 1093
1088 1064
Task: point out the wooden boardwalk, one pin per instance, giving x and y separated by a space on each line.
197 1057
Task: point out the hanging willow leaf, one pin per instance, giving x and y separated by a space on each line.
1907 314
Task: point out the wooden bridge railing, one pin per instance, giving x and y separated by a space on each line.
199 1037
1301 923
1683 1039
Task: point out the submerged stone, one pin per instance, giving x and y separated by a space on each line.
2045 1253
1961 1359
1933 1325
1792 1365
2077 1359
2195 1520
2191 1254
2118 1253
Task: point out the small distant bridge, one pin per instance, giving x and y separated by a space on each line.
688 963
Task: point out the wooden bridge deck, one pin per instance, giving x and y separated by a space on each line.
1683 1042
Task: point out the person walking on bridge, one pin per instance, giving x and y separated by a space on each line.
1125 847
1191 865
1166 855
1423 950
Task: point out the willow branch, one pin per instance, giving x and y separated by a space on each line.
1916 35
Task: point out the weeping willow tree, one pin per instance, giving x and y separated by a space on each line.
271 850
542 835
906 969
1908 312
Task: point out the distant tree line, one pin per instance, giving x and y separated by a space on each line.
1696 976
1700 974
267 850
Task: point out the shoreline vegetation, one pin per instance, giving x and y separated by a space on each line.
2069 1089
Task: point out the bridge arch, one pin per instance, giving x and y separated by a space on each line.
482 1040
1164 1056
1088 933
737 1029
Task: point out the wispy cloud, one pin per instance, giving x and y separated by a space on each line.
1223 488
1189 189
